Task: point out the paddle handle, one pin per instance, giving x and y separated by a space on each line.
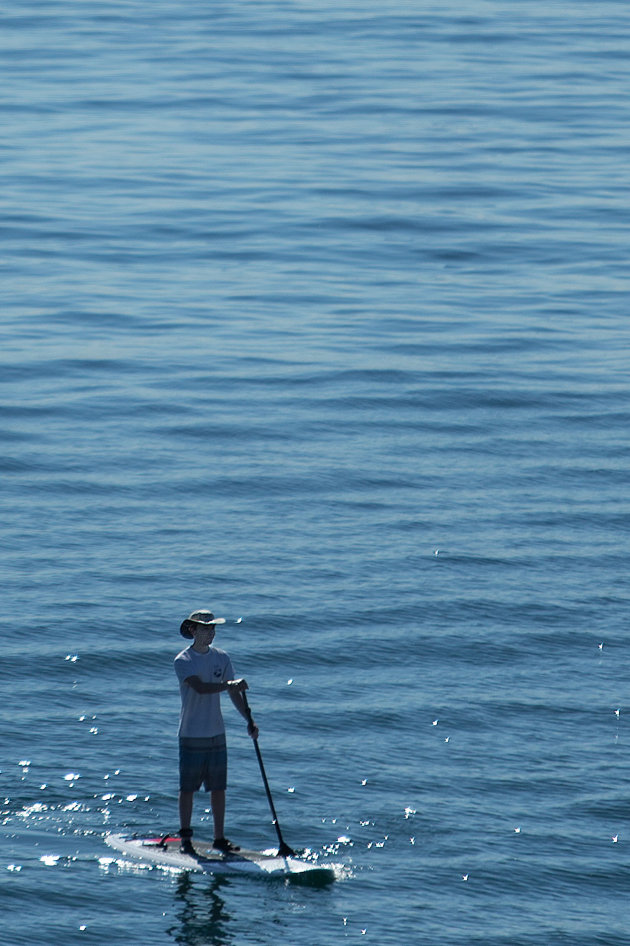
284 850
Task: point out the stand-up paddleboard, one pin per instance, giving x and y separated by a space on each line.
166 853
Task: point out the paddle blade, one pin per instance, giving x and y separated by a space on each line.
285 851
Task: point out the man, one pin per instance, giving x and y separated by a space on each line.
204 672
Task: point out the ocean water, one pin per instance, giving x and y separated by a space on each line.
316 314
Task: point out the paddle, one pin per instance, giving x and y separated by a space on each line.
283 850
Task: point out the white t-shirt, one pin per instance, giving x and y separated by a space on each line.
201 712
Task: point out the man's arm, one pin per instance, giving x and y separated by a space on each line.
231 686
239 703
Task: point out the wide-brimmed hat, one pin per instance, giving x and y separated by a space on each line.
198 617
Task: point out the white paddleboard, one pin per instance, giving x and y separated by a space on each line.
166 853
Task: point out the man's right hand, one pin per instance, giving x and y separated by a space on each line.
237 686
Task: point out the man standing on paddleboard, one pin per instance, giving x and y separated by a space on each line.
204 672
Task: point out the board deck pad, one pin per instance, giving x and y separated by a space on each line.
165 852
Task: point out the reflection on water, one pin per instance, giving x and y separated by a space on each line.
202 916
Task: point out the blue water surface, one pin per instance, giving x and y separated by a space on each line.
316 314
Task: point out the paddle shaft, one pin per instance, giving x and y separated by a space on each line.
284 850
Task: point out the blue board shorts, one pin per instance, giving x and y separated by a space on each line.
203 762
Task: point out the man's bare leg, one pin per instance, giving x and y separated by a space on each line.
185 809
217 799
